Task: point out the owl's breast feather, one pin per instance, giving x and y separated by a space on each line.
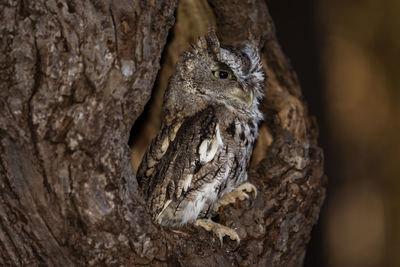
209 147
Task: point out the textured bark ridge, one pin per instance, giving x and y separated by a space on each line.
74 76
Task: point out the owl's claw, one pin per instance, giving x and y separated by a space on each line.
246 187
238 193
218 229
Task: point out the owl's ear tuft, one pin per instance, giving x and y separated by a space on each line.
201 43
257 41
212 40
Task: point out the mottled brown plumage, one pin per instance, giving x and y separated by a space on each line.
209 125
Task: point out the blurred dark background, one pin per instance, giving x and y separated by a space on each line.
346 55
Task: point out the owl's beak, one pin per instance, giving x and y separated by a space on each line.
245 97
251 98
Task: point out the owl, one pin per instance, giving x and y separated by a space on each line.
198 161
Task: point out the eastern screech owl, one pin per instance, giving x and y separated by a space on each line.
210 117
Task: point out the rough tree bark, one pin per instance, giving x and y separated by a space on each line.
75 75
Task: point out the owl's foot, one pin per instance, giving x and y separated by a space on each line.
218 229
238 193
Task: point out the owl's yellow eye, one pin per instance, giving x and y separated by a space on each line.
222 74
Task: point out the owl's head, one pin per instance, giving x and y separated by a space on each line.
216 74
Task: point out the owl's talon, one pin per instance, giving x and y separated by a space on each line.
218 229
247 187
238 193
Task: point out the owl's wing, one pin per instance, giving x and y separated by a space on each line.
175 157
154 155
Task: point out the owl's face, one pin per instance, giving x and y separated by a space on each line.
222 75
217 82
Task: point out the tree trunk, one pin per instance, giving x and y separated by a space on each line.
75 75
